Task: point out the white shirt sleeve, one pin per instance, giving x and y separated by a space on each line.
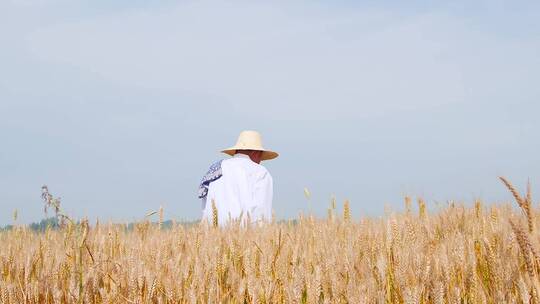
262 197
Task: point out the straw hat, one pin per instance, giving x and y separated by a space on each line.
250 140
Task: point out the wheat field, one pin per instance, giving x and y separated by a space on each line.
479 254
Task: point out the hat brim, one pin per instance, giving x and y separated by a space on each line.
266 154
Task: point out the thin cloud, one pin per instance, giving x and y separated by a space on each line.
366 102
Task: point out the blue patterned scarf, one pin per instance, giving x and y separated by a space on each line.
213 174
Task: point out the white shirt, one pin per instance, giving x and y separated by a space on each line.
244 187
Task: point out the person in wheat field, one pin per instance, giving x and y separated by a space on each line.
239 187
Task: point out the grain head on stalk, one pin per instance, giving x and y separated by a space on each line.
451 255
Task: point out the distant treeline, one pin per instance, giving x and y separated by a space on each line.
53 223
41 226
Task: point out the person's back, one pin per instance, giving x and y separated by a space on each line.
239 186
245 187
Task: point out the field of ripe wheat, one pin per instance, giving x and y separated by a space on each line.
478 254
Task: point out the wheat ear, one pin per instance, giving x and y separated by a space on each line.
512 189
525 246
346 211
524 203
214 214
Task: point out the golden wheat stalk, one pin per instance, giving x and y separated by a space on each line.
525 246
160 223
513 190
451 255
346 211
214 214
524 204
421 208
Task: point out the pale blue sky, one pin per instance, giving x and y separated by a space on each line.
120 108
